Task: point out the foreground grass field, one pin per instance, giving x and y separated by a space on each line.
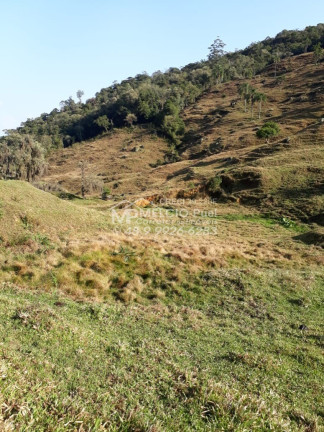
236 361
108 331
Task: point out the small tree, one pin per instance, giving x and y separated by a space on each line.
253 98
260 97
89 182
276 59
105 193
269 129
218 73
245 91
104 122
93 184
318 53
130 119
174 128
83 165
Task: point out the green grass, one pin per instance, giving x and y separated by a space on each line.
27 209
267 221
231 357
187 333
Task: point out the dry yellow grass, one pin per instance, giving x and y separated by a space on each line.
90 260
112 159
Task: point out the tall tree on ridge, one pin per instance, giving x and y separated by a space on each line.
79 94
216 50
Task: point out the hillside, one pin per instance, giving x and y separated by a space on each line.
120 160
220 143
162 268
158 100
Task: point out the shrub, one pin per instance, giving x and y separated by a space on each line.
213 187
268 130
214 184
105 193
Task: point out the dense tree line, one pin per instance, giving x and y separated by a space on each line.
158 100
288 42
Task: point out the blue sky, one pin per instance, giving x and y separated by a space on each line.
52 48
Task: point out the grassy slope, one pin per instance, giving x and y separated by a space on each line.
207 336
24 208
237 362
